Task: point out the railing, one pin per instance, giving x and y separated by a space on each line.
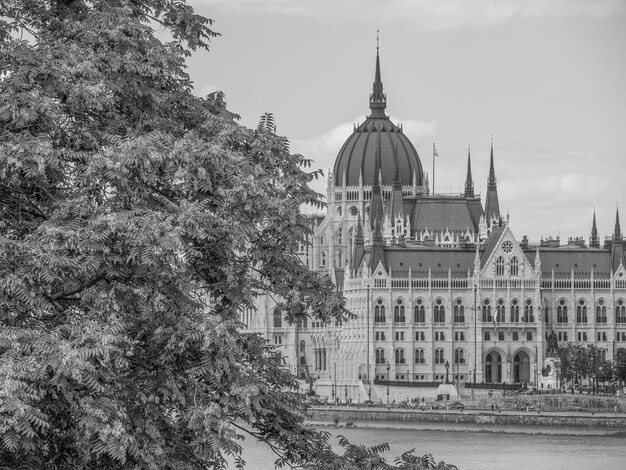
493 386
407 383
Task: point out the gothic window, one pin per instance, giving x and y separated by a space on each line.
581 312
380 356
603 355
487 311
514 266
419 312
561 312
354 211
322 240
439 312
601 312
459 312
500 266
338 258
379 312
323 259
459 356
500 315
339 210
398 312
487 336
420 357
500 335
528 312
302 345
399 353
514 311
440 356
620 312
278 319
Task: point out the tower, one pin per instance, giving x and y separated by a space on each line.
492 208
469 184
594 241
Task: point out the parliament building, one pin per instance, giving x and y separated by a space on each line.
439 284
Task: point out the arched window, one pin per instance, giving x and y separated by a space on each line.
354 211
303 345
419 312
581 312
322 240
440 356
278 318
514 311
420 357
514 266
500 315
620 312
398 312
340 234
601 312
459 356
399 353
439 312
528 312
487 311
561 312
323 259
459 312
603 354
380 356
500 266
379 312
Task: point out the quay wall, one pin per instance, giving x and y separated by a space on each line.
348 414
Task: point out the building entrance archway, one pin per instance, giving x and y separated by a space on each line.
521 367
493 367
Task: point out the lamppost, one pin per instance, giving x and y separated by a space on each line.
369 376
388 379
447 370
346 392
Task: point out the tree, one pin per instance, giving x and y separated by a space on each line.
136 222
620 364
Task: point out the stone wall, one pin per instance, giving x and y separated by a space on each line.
409 416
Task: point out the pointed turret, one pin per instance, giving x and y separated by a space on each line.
378 249
376 210
359 246
396 208
594 241
537 262
469 184
378 100
617 245
617 231
492 208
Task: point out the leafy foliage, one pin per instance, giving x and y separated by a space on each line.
136 222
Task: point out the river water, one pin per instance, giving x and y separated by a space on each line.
481 450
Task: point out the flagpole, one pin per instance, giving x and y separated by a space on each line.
434 151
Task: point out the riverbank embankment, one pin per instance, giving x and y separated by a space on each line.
576 423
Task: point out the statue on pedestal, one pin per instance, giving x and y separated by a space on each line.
553 344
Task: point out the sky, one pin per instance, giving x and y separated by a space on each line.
546 79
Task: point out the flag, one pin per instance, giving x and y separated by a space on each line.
435 154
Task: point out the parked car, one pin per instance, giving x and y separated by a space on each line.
457 405
575 407
368 403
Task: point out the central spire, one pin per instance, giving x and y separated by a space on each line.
378 100
469 184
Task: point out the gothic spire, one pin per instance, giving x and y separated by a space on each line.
594 241
376 210
378 100
617 232
492 208
469 184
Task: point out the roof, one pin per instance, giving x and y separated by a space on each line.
358 155
441 213
565 258
490 245
420 259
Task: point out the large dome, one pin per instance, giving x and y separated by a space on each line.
358 155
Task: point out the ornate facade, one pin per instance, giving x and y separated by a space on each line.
438 284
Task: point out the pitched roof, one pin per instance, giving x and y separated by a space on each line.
565 258
491 244
441 213
421 258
